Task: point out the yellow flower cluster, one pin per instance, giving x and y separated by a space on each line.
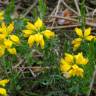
3 83
69 65
35 35
7 39
82 36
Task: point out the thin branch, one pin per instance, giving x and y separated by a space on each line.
91 24
62 27
69 8
57 9
66 18
74 20
77 6
33 74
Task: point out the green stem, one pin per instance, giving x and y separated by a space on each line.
83 14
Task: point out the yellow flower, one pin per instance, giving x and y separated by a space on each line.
7 39
12 51
3 92
3 29
76 71
2 36
39 40
86 36
42 43
15 39
64 66
48 34
10 28
68 65
80 59
1 15
2 50
8 43
35 35
27 32
30 26
38 24
69 58
79 32
76 43
31 40
4 82
6 29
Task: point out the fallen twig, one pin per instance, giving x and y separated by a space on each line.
57 9
77 6
62 27
69 7
66 18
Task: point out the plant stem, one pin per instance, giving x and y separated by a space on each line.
82 14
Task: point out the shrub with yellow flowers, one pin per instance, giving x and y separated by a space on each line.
13 40
76 69
38 57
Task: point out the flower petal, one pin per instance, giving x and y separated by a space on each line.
76 41
8 43
3 28
79 32
77 70
48 34
87 32
30 26
10 28
38 24
12 51
42 43
3 92
76 46
39 40
2 50
71 73
68 58
80 59
65 67
4 82
15 39
27 33
89 38
31 40
2 37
